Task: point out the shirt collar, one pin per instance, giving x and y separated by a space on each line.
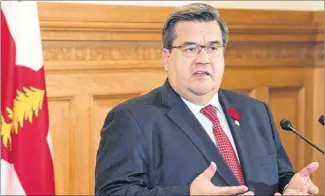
197 108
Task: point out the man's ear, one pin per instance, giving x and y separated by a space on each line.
165 55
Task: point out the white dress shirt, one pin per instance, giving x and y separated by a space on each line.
207 124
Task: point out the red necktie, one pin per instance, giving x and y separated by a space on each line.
223 142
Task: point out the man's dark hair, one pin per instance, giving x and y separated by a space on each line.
198 12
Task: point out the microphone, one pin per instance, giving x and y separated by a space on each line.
286 125
321 120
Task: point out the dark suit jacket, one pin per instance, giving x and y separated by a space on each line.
154 145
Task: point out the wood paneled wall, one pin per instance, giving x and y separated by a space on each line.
97 56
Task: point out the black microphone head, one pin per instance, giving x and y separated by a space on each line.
286 125
321 120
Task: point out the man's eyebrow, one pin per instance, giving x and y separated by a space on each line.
215 42
194 43
189 43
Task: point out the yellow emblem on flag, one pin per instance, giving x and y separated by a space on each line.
25 105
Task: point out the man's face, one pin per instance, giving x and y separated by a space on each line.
199 75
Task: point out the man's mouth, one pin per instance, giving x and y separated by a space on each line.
201 73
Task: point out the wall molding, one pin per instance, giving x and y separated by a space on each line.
103 22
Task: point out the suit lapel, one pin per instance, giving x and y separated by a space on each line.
240 133
181 115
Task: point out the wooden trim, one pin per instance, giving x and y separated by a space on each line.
150 14
318 18
262 94
110 24
156 65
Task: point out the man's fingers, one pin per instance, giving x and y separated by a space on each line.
277 194
249 193
295 193
230 190
309 169
290 193
209 172
313 190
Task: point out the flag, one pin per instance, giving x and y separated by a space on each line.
26 152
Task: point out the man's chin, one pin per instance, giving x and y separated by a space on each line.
201 92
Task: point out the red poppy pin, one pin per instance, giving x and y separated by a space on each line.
234 115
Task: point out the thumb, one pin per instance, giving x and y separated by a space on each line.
277 194
209 172
309 169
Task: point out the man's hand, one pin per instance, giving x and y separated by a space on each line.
202 185
300 183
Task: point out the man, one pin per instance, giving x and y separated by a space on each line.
189 137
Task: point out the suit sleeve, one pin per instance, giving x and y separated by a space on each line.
122 162
285 169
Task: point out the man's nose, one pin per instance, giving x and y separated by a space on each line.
202 57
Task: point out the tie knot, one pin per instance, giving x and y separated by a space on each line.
210 112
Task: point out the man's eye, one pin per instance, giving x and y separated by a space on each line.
189 49
213 48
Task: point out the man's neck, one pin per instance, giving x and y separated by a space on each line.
199 100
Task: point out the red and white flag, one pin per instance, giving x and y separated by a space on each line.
26 153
